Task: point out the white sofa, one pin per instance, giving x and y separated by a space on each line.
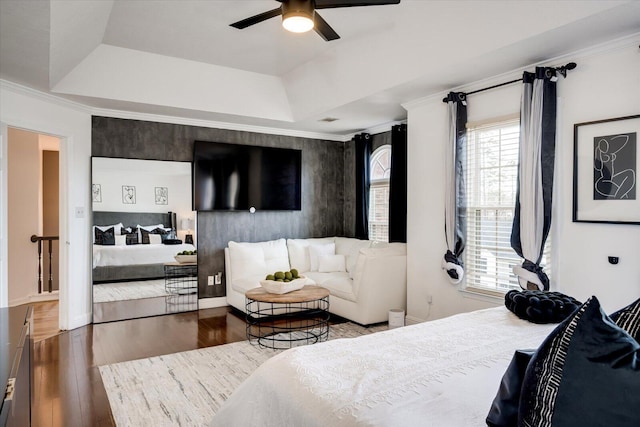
374 279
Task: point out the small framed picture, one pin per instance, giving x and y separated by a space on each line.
96 193
605 171
129 194
162 196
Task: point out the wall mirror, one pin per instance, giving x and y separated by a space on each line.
144 242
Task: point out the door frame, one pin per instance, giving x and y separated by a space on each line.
66 147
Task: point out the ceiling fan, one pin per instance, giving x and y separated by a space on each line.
300 16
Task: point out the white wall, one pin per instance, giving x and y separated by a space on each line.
24 178
145 175
33 111
606 84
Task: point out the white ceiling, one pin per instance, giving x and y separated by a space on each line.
181 58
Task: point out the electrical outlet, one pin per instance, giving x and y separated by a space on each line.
218 278
209 280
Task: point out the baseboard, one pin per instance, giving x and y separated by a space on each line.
79 321
212 302
412 320
45 296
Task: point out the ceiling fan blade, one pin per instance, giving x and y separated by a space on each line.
257 19
323 29
327 4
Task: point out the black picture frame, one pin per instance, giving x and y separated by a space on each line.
606 165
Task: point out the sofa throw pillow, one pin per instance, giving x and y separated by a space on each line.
540 306
628 318
247 262
331 263
504 409
315 251
586 373
104 237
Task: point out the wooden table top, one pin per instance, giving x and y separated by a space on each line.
307 293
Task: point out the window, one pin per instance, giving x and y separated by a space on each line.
491 179
380 171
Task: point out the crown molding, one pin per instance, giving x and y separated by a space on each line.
43 96
123 114
619 43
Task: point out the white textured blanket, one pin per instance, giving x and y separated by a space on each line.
439 373
136 254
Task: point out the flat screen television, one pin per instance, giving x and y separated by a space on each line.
231 177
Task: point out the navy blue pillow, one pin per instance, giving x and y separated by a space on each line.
586 373
504 409
628 318
540 306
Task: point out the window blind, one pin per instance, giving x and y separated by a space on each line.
491 178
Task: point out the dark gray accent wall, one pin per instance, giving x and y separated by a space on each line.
323 185
377 140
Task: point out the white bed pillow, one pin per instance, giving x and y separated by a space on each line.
332 263
315 251
121 240
155 239
117 230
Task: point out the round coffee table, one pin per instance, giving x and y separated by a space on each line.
288 320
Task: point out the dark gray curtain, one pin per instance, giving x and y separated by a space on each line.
455 227
532 216
363 156
398 185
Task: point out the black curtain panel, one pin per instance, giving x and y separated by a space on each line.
455 228
398 185
532 216
363 156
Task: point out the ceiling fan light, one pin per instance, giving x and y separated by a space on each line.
297 22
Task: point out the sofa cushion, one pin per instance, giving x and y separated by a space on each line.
248 283
351 248
331 263
338 284
247 260
299 252
276 256
316 251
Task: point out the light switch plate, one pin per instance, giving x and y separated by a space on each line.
79 212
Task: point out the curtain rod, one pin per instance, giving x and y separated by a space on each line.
562 70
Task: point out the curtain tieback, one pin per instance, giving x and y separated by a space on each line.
532 273
453 267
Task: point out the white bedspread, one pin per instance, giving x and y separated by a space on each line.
136 254
443 373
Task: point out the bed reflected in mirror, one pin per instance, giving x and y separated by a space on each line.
144 249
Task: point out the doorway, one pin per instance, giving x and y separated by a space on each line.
33 216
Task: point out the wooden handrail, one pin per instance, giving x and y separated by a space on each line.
49 239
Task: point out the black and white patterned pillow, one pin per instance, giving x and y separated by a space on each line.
104 237
131 235
628 318
586 373
145 234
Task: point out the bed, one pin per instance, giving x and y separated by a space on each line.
132 262
439 373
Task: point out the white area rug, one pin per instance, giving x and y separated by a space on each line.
186 389
122 291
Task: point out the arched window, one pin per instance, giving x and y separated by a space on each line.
380 171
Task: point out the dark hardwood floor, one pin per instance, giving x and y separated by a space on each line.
68 389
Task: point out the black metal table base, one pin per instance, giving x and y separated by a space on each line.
287 325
